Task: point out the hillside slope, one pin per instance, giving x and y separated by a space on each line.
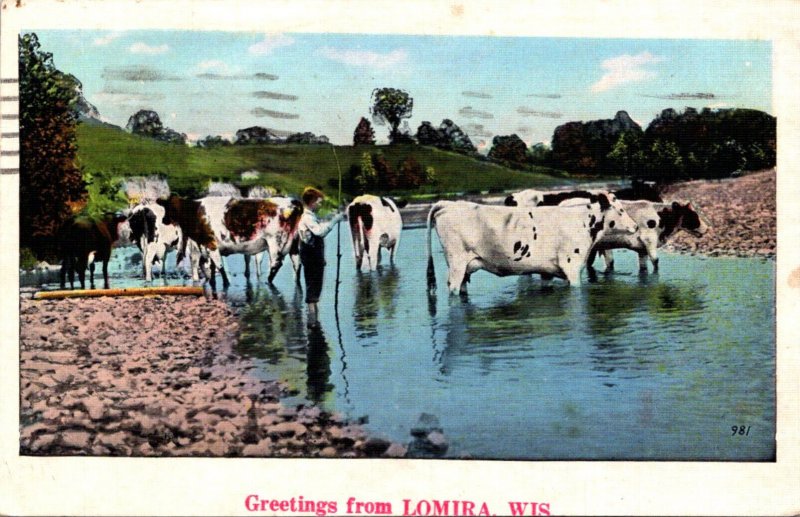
289 167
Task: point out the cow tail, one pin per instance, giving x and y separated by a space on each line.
431 270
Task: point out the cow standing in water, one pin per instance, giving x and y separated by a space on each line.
82 241
226 226
375 223
550 241
154 238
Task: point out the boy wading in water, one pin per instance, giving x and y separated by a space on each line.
312 249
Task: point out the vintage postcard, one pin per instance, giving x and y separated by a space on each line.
399 258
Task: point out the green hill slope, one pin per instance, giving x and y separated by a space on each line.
288 168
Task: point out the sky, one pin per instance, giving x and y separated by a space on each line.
214 83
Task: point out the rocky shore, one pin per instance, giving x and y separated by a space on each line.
158 376
741 212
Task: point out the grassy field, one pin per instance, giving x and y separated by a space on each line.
288 168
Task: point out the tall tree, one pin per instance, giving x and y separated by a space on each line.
51 183
364 134
391 106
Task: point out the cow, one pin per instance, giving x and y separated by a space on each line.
225 226
375 223
532 197
154 238
284 203
550 241
656 221
82 241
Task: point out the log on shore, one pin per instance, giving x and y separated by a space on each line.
130 291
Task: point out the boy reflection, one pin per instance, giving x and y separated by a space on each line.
318 365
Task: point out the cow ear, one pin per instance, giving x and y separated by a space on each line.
604 203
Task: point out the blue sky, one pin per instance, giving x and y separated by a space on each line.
203 83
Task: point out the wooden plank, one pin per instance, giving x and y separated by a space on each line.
130 291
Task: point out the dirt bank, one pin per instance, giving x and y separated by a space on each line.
741 211
158 376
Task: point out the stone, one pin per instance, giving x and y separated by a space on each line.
287 429
262 448
328 452
395 450
375 447
76 439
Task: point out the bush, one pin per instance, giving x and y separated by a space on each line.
27 259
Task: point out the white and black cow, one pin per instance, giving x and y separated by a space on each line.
375 223
532 197
226 226
550 241
83 241
154 238
657 222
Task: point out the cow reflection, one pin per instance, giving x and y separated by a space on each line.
272 328
508 327
374 293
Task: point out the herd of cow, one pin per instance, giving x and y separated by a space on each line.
553 234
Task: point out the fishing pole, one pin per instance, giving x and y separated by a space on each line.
338 238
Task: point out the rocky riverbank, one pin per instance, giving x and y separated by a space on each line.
741 212
158 376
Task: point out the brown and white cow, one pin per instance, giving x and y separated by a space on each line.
226 226
550 241
82 241
375 223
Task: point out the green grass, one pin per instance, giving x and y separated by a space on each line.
288 168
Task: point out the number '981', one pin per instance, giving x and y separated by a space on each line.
741 430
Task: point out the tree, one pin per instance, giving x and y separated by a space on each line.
51 183
213 141
391 106
147 123
541 154
411 173
623 155
387 177
364 134
509 149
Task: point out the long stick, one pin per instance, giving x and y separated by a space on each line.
338 239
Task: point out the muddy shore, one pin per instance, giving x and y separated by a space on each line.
158 376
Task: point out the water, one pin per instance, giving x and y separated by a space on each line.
655 367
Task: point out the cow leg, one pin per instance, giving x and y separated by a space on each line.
642 261
297 266
147 258
247 267
456 276
71 271
394 249
590 259
374 255
359 258
572 272
652 254
105 274
259 257
546 278
608 258
91 275
212 278
217 258
81 267
63 274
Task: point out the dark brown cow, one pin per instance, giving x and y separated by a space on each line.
83 241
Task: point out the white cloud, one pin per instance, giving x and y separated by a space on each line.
625 69
365 58
212 65
270 43
108 38
144 48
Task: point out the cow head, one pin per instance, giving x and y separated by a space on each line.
689 219
616 218
172 208
119 227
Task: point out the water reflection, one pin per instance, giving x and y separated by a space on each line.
615 308
510 327
318 366
271 327
375 299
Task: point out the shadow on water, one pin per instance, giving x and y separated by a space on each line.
318 366
375 299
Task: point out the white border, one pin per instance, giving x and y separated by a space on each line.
81 486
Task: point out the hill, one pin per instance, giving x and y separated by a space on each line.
289 167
